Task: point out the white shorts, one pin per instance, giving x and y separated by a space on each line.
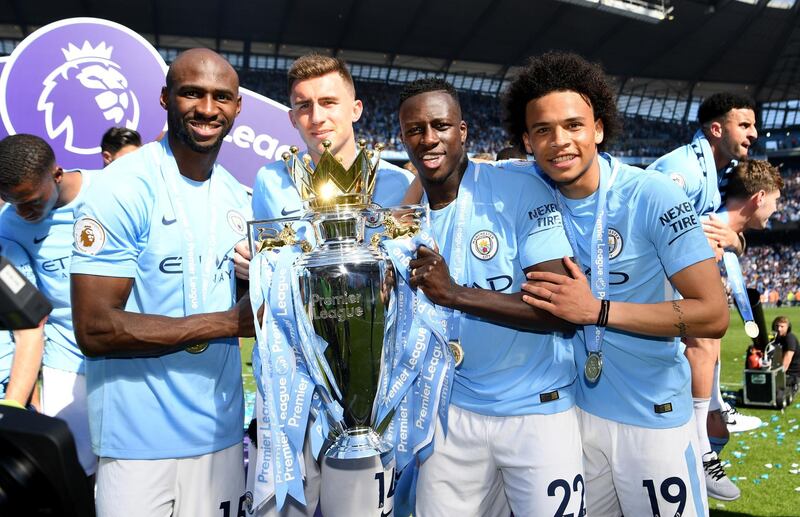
64 397
489 466
635 470
211 485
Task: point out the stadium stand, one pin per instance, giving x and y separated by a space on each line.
775 271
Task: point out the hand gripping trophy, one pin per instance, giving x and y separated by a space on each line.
347 355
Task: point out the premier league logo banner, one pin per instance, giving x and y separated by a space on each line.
71 80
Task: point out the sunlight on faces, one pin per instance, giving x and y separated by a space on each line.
203 101
433 134
563 135
325 108
737 132
766 206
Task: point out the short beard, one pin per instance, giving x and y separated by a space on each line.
176 124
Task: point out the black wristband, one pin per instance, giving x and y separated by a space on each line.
602 318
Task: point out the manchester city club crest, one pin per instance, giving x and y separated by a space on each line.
237 222
614 243
484 245
678 179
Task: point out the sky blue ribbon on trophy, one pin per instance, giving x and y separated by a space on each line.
280 375
197 273
593 335
295 385
739 292
420 366
264 486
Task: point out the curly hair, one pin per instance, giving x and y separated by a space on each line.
24 158
425 85
719 104
559 72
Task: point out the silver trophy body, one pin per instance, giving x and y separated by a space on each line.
347 288
348 292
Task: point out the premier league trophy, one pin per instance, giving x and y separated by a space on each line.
351 332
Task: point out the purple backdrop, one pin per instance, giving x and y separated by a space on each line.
70 81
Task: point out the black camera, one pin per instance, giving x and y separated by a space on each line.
22 306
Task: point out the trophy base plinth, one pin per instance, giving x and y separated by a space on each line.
357 442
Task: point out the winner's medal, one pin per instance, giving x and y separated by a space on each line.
199 348
751 329
593 367
599 258
457 350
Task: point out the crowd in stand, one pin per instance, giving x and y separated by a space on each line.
651 138
644 137
789 203
775 271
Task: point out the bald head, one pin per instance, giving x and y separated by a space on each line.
201 58
202 100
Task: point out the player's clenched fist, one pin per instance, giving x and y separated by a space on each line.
429 272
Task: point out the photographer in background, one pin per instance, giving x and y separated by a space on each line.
788 343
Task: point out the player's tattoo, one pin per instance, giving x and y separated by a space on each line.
681 326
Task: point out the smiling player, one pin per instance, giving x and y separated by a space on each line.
638 239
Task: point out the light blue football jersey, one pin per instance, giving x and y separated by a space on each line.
275 196
17 256
653 233
178 404
512 224
692 167
49 245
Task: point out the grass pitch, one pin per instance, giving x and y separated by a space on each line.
765 463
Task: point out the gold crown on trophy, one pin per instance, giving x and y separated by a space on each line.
329 186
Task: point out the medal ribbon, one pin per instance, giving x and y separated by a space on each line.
736 280
593 335
458 254
194 295
705 158
702 149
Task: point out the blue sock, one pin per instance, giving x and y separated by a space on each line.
717 444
